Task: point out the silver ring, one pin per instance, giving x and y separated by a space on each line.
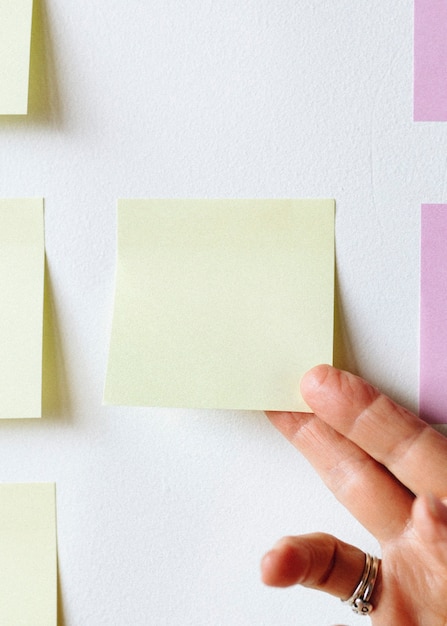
360 599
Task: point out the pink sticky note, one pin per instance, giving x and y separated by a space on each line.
433 350
430 60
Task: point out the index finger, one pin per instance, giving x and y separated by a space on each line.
411 449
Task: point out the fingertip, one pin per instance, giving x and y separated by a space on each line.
335 394
268 568
280 567
314 379
315 376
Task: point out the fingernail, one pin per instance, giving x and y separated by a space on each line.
267 557
279 544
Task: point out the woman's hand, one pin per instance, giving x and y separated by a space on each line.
389 468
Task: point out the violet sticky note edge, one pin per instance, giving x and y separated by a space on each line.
433 317
430 60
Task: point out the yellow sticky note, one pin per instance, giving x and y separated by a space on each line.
28 555
15 45
22 263
220 303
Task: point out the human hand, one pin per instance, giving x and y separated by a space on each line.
389 469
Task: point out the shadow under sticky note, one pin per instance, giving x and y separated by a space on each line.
22 261
15 43
28 554
220 303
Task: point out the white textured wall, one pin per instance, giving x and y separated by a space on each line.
163 515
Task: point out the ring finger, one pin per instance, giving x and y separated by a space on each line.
356 479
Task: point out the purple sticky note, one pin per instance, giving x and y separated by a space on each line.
433 350
430 60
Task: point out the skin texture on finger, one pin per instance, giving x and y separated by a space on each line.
361 484
412 588
318 560
413 451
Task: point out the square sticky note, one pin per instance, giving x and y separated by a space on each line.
15 45
220 303
28 554
22 264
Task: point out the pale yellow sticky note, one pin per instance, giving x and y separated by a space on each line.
28 555
15 45
220 303
22 264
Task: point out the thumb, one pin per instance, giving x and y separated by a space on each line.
429 516
318 560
